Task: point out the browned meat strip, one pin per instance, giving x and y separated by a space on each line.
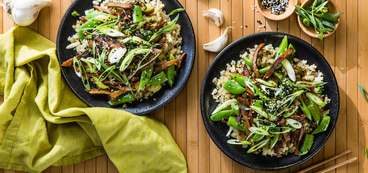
255 57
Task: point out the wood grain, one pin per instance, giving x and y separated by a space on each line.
346 51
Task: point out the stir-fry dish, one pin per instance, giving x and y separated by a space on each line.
126 50
273 103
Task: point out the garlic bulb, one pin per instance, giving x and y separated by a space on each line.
215 15
25 12
219 43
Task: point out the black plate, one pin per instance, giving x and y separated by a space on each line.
147 106
217 131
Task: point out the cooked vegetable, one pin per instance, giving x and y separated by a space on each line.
323 125
272 111
307 144
126 50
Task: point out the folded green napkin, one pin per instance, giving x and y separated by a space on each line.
42 123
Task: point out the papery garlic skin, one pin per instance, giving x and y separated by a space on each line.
25 12
219 43
215 15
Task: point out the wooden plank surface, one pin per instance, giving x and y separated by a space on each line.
346 51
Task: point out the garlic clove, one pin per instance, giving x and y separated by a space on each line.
25 12
116 54
215 15
219 43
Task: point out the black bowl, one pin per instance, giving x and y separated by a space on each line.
147 106
217 131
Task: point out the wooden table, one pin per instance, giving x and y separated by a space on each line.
346 51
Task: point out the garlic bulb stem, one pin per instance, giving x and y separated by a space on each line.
215 15
219 43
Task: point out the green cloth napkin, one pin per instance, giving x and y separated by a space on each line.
42 123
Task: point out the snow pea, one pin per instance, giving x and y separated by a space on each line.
232 122
323 125
225 105
282 47
219 116
305 110
315 111
159 79
233 87
331 17
248 61
127 98
307 144
171 72
264 69
137 14
145 78
316 99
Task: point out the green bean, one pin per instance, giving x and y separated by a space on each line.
145 78
307 144
233 87
323 125
127 98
